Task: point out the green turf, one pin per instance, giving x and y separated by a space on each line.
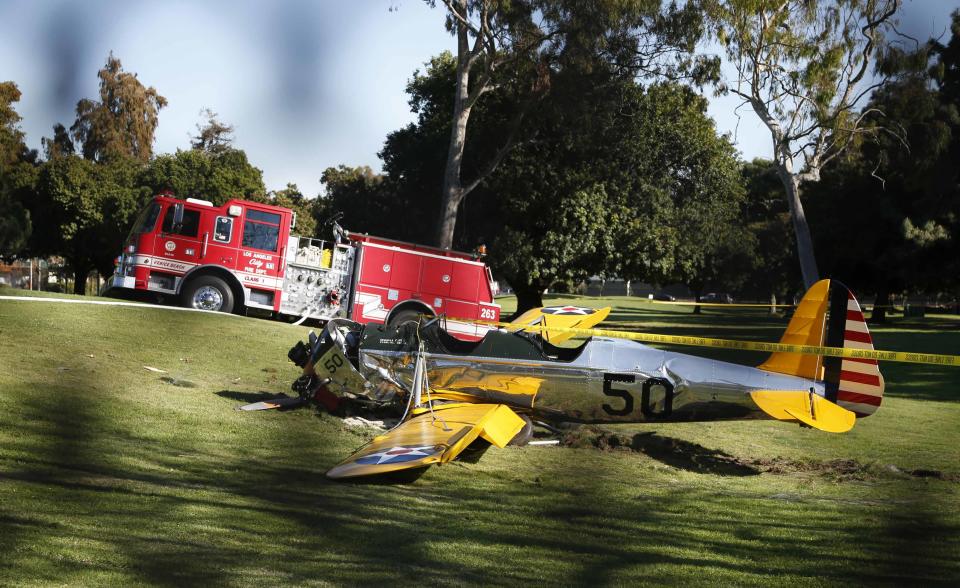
114 474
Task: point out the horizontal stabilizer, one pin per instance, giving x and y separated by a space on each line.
810 409
431 437
565 317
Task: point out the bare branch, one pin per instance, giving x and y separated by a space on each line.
452 11
873 172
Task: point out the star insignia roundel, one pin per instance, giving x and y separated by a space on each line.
567 310
397 455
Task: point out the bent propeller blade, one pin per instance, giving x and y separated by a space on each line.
281 402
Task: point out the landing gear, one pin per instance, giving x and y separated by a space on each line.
407 316
525 434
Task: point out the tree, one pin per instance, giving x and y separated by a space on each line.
122 122
765 217
514 47
622 180
213 137
17 174
87 209
216 177
291 197
685 192
802 66
898 225
60 144
358 194
610 170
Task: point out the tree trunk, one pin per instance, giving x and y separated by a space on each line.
80 281
452 188
773 303
808 262
696 298
879 314
528 296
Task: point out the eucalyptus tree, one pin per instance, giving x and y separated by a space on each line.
123 121
897 228
213 136
17 174
804 69
514 47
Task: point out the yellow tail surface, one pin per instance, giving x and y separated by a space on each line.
830 316
805 328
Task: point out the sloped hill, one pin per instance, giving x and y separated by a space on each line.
114 474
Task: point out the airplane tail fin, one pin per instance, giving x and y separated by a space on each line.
830 316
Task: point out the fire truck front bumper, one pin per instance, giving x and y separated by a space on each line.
123 282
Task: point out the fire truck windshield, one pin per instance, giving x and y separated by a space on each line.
146 220
190 226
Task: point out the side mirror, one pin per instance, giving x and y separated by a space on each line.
293 221
177 217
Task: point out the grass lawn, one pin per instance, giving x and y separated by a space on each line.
114 474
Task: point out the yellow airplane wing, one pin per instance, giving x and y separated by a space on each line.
568 317
431 437
810 409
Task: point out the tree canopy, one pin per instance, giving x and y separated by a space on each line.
17 173
122 122
87 209
612 178
516 48
216 177
898 224
802 68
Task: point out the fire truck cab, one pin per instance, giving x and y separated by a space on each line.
242 255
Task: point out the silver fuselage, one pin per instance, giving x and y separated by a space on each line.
611 380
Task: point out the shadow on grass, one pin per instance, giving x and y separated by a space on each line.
280 521
77 474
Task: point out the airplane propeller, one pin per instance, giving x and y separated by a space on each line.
307 388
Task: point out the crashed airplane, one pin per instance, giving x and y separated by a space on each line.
458 393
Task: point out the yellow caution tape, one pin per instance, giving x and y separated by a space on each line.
749 304
719 304
848 352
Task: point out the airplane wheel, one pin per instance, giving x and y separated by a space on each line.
525 434
208 293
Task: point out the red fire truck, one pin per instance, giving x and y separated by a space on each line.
242 255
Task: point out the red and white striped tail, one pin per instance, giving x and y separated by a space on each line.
860 386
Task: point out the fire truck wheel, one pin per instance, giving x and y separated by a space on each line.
208 293
407 316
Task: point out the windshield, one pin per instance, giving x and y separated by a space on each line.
146 220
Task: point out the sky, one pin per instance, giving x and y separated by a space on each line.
306 84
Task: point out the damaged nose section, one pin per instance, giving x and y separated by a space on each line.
309 387
328 372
